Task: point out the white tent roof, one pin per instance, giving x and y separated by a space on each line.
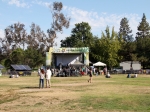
77 63
99 64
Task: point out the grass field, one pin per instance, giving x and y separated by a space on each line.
75 94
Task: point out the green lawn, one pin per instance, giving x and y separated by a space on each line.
75 94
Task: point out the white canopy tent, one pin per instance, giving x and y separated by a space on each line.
99 64
77 63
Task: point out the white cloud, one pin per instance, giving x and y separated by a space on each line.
98 22
18 3
1 33
60 37
46 4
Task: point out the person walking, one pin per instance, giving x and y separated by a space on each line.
48 77
42 76
90 75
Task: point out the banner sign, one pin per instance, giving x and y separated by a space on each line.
70 50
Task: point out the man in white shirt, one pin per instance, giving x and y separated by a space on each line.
48 77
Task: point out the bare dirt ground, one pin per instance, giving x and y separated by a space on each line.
33 99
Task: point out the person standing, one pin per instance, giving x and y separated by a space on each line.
105 70
96 71
90 75
48 77
41 81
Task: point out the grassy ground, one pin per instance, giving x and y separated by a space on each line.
75 94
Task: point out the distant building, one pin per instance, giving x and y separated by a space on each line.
131 65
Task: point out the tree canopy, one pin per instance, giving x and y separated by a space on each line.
59 22
80 36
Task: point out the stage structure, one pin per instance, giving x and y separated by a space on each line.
67 56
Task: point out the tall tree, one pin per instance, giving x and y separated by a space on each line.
125 30
15 36
37 39
143 28
60 21
142 41
128 46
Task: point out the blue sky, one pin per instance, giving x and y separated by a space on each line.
98 13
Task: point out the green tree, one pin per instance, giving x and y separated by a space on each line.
33 58
11 44
143 42
7 63
143 28
143 51
107 47
128 45
81 36
125 30
17 56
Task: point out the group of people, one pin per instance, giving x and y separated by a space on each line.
14 76
45 75
90 73
132 76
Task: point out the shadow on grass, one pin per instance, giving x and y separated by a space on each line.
30 87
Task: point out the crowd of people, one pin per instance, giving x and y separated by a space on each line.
46 74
